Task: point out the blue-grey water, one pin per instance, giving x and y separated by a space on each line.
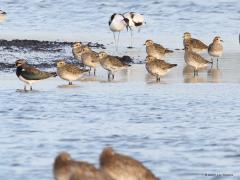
182 128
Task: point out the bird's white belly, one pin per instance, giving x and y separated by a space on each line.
117 27
27 81
157 71
216 53
68 76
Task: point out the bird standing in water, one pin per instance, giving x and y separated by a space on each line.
136 20
215 49
117 23
29 74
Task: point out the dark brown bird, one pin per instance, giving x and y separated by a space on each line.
122 167
65 168
29 74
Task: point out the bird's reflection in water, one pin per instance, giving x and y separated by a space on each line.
214 75
152 80
188 72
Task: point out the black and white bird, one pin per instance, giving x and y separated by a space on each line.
29 74
136 20
117 23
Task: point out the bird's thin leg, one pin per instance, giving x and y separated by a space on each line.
131 38
94 72
118 40
25 88
89 70
70 83
194 72
31 88
115 42
108 75
112 76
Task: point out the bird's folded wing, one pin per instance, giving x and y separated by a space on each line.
31 73
199 44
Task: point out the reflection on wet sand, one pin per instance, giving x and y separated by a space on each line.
190 78
189 70
194 79
149 79
214 75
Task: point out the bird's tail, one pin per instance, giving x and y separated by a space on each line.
168 51
54 74
85 70
173 65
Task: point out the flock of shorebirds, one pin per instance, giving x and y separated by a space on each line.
115 166
155 64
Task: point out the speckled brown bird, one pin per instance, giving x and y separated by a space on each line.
215 49
195 60
69 72
158 67
195 44
111 64
156 50
89 58
123 167
77 50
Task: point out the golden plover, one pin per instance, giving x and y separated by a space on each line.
157 67
69 72
195 44
156 50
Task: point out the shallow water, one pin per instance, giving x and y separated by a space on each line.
176 129
181 128
83 20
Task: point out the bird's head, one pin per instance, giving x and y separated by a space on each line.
187 35
61 63
20 62
3 12
77 45
149 58
217 39
63 157
102 55
148 43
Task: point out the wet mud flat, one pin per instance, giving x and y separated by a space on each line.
42 54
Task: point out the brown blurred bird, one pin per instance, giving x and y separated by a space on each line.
122 167
65 168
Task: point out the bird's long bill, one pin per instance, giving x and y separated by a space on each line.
221 40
